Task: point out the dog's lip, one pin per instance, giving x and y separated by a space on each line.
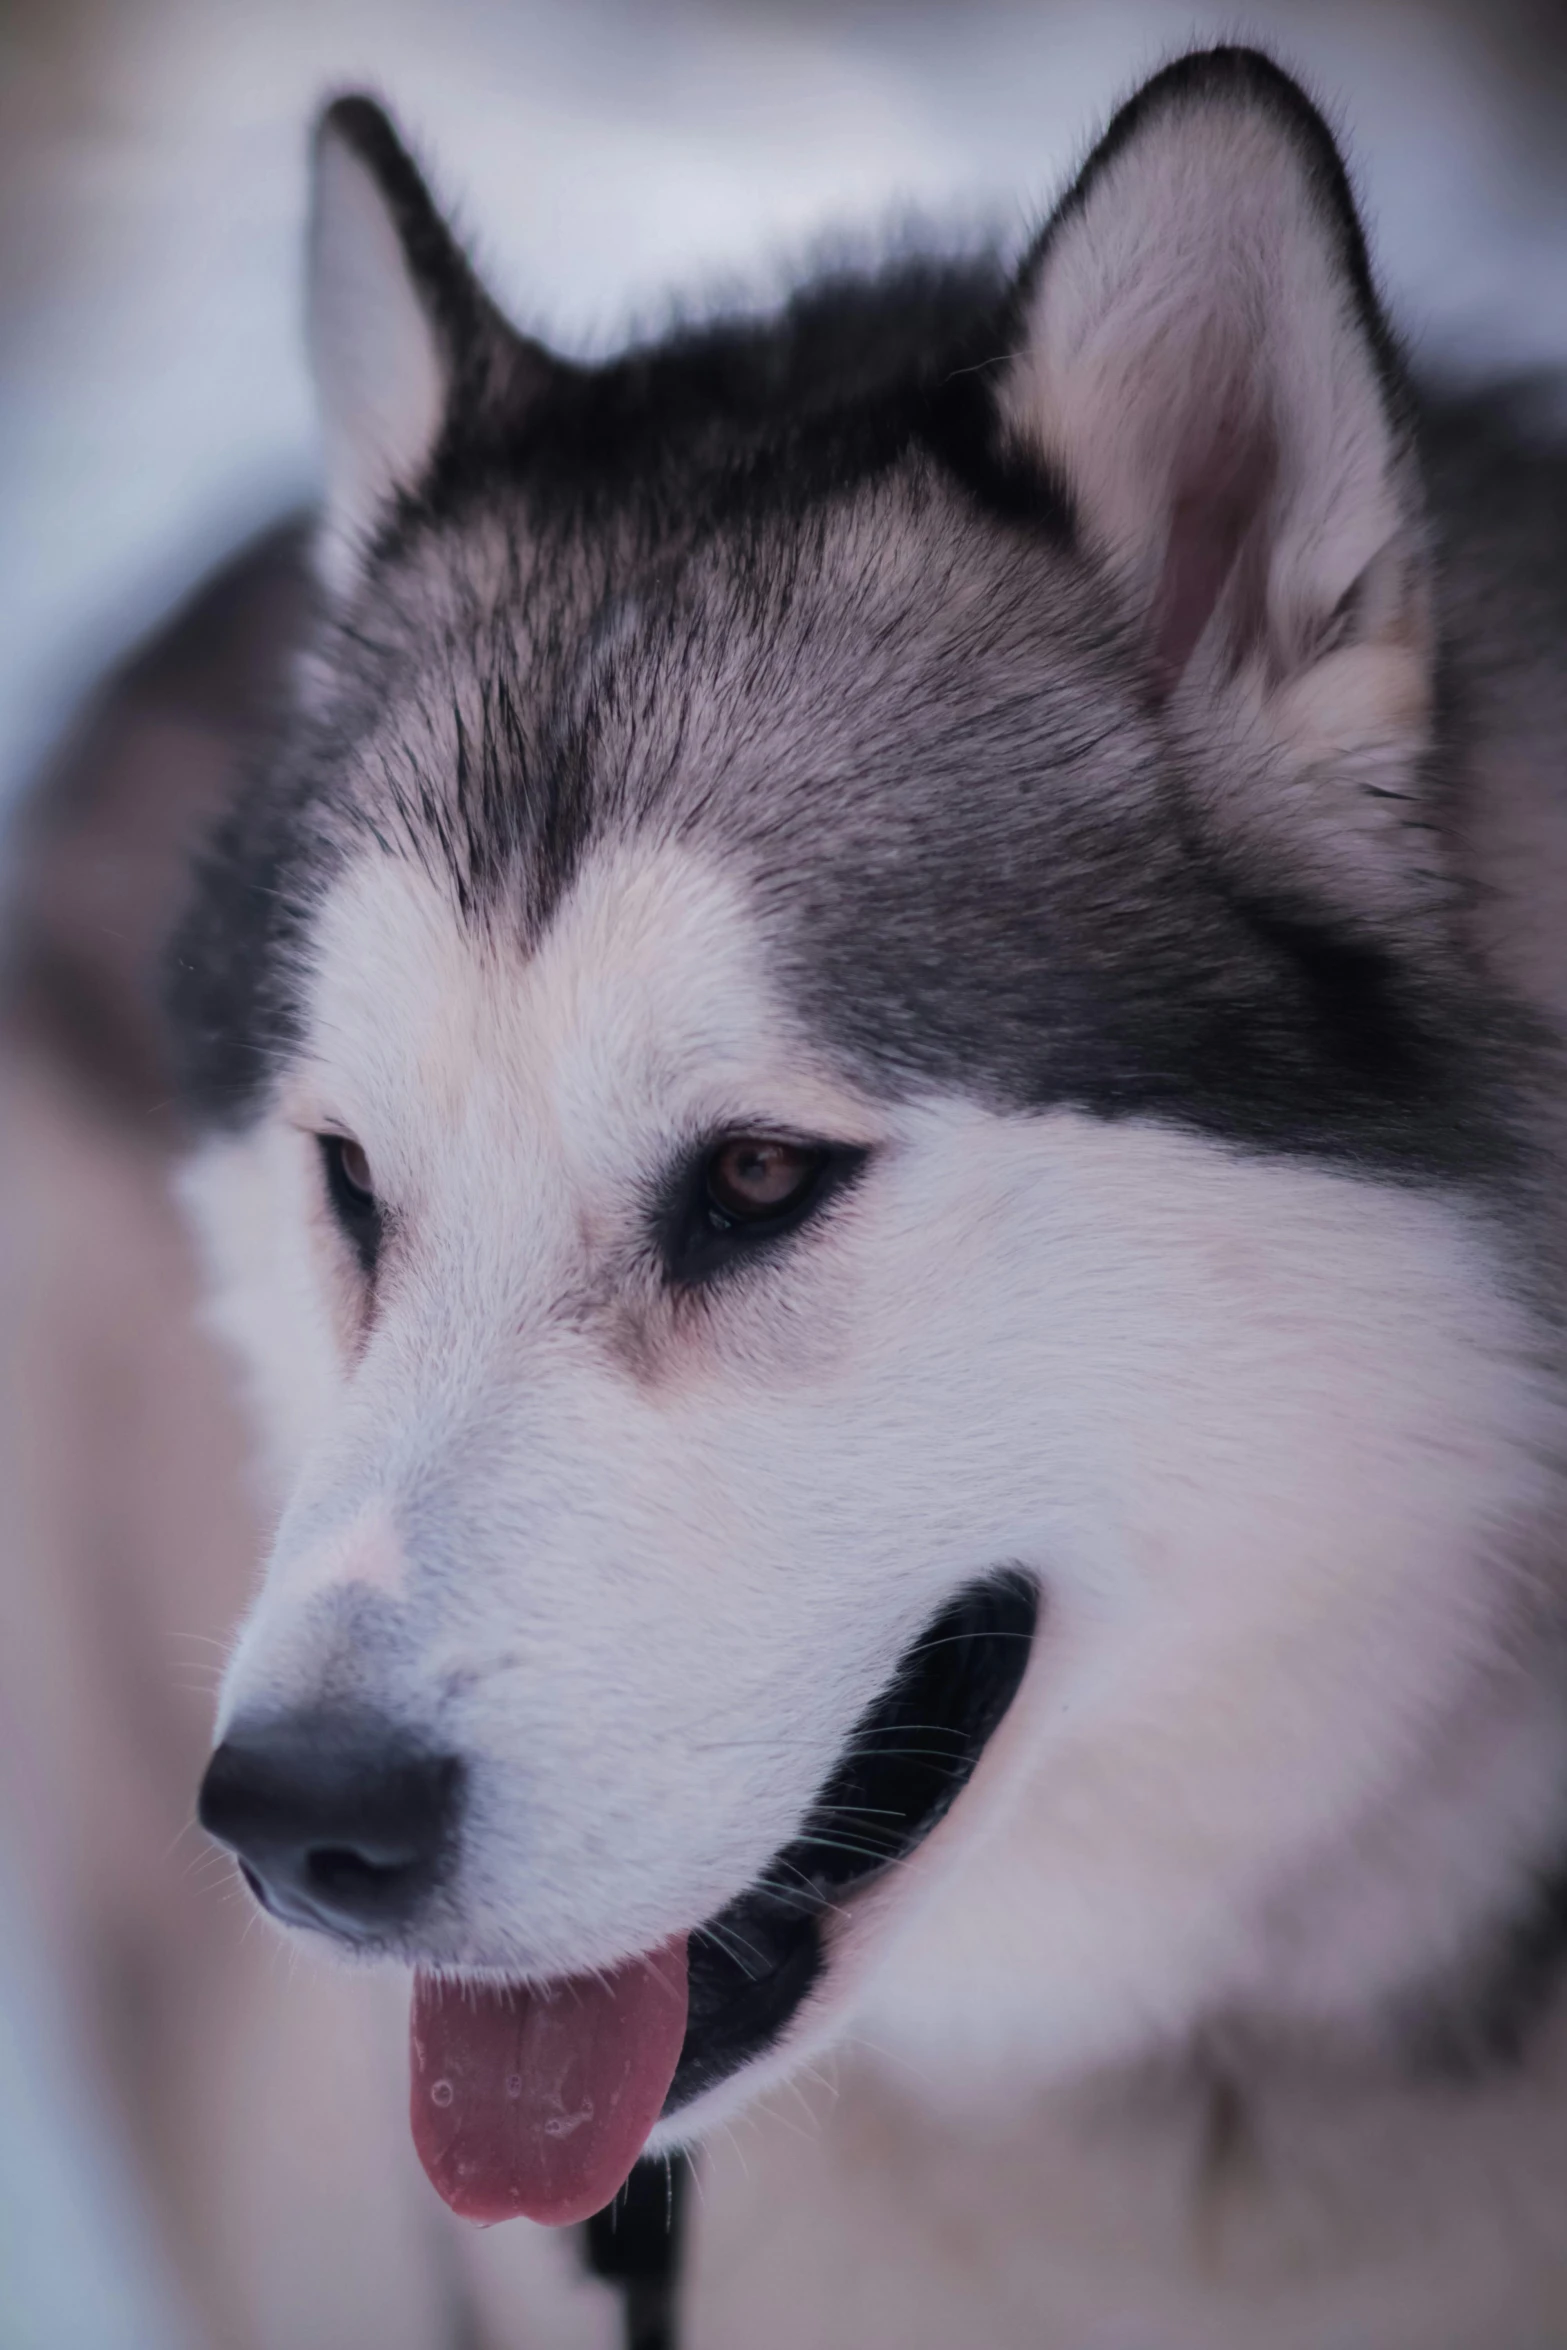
755 1962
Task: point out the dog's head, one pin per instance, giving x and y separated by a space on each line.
852 1146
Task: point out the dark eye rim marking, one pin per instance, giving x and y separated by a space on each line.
703 1232
355 1208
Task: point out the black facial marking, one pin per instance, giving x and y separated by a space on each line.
904 1766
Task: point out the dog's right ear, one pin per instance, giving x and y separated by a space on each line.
405 343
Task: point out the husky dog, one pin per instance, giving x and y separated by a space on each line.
880 1116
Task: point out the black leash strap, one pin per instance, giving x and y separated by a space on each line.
635 2243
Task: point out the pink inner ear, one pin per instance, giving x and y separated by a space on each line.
1216 517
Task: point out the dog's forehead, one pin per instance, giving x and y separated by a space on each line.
911 741
895 724
642 1008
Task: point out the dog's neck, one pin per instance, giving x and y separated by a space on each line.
1430 1939
1233 2194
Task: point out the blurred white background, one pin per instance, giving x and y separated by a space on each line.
605 154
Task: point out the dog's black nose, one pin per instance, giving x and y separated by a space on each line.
343 1824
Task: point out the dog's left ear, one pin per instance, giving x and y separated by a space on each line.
1202 363
406 345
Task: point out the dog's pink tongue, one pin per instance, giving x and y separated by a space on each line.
536 2103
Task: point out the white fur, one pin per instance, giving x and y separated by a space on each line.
1350 2211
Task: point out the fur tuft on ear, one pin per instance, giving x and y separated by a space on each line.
1202 362
405 343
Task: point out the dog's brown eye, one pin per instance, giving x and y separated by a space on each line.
754 1175
353 1166
745 1193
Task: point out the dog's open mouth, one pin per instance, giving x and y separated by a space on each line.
537 2101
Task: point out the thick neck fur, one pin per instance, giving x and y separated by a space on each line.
1428 1943
1387 2178
1219 2201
